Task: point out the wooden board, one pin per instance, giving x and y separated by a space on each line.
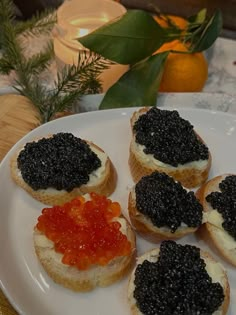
17 117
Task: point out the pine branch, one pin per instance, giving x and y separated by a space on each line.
5 66
40 62
93 63
83 76
12 50
35 92
91 86
48 102
6 11
41 23
64 102
6 16
71 83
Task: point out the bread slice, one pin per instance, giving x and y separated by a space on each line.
213 232
190 175
102 181
83 280
144 226
214 269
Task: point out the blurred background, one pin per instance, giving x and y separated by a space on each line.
184 8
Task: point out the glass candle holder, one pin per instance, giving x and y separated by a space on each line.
79 18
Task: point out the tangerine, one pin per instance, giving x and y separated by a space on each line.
178 21
183 72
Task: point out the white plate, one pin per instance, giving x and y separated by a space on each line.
216 101
23 279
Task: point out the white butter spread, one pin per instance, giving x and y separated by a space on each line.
152 162
214 269
216 219
94 177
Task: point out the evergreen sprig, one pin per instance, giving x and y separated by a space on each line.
71 83
40 23
6 11
40 61
6 17
5 66
84 75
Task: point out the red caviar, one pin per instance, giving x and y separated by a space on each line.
85 232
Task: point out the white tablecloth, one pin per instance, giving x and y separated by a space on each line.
221 80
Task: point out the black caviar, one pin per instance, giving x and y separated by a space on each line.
176 284
170 138
61 162
166 202
224 202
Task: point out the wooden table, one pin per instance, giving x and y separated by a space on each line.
17 117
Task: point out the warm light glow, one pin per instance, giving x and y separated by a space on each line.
87 25
79 18
83 31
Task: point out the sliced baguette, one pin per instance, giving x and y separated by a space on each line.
212 231
144 226
83 280
102 181
190 175
214 269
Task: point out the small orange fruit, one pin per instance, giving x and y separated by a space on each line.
183 72
167 46
180 22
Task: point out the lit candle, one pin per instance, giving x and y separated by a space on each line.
77 19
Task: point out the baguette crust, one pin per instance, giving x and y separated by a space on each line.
148 230
211 233
105 185
188 176
85 280
209 260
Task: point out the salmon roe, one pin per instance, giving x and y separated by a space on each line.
85 232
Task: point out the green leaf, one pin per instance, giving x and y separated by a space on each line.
127 40
138 86
207 37
198 18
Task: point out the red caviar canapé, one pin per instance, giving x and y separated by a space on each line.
85 232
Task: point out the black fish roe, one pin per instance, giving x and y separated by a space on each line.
225 203
166 202
170 138
176 284
61 162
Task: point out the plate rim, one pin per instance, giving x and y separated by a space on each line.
100 113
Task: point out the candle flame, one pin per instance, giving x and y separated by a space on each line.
83 32
87 25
